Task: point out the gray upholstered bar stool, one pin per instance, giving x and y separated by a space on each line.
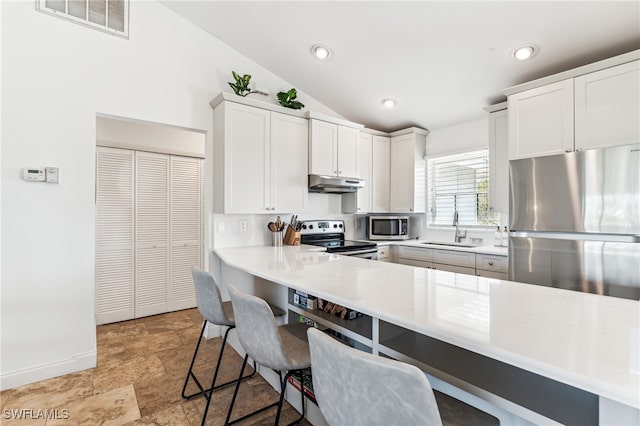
214 311
281 348
356 388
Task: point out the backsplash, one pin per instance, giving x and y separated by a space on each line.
225 228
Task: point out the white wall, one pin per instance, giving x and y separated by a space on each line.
56 77
459 138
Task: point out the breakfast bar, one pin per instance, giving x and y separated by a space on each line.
537 354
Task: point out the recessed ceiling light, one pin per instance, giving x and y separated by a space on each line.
525 52
388 103
320 51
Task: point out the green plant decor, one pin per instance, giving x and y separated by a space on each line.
287 99
241 86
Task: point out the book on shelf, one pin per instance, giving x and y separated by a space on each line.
307 384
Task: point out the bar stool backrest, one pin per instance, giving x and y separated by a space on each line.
208 298
258 331
356 388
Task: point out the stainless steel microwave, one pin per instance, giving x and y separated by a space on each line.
388 227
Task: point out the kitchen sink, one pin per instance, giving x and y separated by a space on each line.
451 244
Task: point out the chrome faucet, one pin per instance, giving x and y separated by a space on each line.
458 235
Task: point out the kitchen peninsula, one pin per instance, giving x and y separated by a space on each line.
534 352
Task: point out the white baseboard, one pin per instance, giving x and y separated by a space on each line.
25 376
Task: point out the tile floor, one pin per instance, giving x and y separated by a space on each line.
141 368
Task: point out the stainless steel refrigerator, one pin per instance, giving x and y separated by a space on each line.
575 221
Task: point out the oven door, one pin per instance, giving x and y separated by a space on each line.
363 254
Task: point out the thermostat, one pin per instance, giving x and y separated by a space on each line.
46 174
34 175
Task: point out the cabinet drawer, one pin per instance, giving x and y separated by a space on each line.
415 253
492 274
419 263
457 269
489 262
457 258
384 253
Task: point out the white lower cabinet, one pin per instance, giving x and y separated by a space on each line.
461 262
148 239
384 254
491 266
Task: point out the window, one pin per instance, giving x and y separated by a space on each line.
459 183
111 16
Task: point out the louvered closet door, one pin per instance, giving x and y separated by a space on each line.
186 229
114 235
152 234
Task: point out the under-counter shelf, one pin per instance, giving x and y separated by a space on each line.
359 329
439 358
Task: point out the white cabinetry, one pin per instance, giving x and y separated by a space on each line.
492 266
463 262
380 173
407 173
593 110
607 107
148 239
260 161
384 254
541 121
333 149
360 201
498 162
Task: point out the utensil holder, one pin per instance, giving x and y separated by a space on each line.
276 238
292 238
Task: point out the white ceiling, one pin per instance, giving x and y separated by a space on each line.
442 61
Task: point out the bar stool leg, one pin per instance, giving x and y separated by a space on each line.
190 373
203 391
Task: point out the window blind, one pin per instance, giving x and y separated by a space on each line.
459 183
111 16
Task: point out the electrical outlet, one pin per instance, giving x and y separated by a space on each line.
220 226
243 226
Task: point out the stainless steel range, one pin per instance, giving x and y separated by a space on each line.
330 234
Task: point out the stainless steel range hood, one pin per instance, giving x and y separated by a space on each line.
334 184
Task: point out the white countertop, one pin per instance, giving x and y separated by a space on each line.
584 340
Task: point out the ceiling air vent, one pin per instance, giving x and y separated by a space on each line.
111 16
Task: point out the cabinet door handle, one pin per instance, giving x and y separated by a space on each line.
568 150
410 210
490 263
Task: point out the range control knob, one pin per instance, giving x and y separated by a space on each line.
335 226
340 225
310 226
304 226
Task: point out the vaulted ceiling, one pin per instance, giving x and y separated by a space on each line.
441 61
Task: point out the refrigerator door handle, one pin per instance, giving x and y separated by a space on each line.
577 236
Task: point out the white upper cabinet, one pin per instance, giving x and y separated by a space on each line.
408 183
289 151
607 107
348 139
499 162
260 160
323 157
593 110
380 174
333 149
541 121
360 201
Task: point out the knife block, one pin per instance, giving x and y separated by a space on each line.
292 238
